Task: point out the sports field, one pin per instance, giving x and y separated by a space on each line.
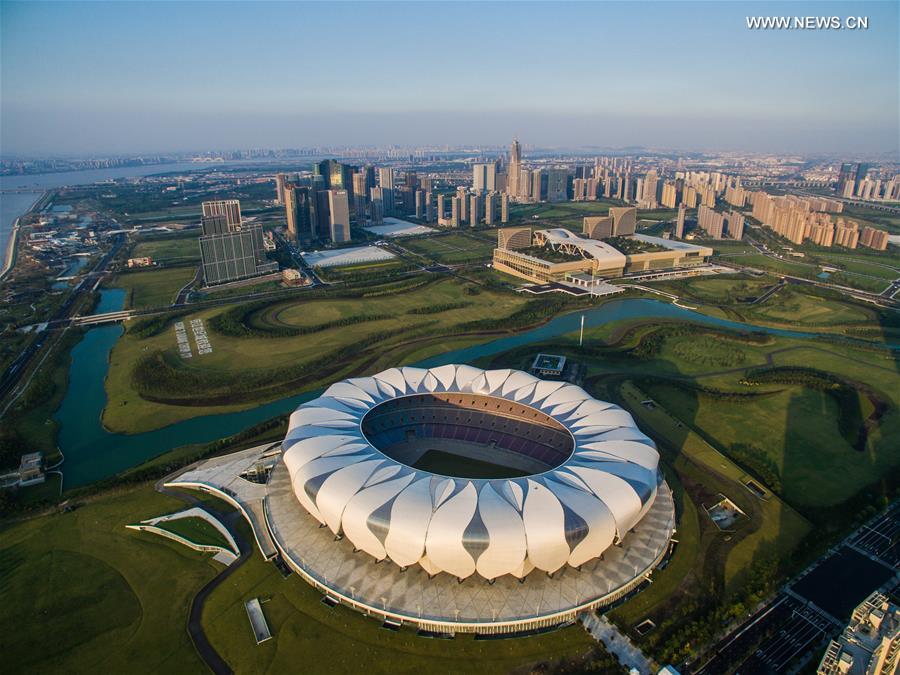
452 248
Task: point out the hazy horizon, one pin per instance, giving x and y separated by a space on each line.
163 77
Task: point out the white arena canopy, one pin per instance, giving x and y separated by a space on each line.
598 472
394 227
356 255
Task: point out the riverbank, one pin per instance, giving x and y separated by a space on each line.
11 249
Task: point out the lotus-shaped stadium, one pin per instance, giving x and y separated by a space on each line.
584 474
460 499
455 499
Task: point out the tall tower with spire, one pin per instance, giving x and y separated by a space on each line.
512 178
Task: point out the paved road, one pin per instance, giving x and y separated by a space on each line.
204 648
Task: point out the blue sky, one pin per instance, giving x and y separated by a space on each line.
137 77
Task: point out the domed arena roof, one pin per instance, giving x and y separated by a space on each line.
577 473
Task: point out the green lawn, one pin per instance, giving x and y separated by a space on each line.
170 249
774 523
196 530
83 594
153 287
418 334
454 248
339 640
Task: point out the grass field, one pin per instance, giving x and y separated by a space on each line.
448 464
785 424
196 530
170 249
338 640
126 411
777 524
452 248
82 594
154 287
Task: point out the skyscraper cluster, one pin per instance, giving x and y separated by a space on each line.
799 219
855 182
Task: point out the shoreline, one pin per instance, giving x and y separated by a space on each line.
9 256
12 243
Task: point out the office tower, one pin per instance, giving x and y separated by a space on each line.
412 181
360 197
386 177
430 216
491 201
386 183
336 176
230 208
376 205
233 255
339 208
504 207
538 185
297 212
369 172
861 171
557 185
213 225
323 215
875 239
513 187
280 180
679 222
475 207
420 204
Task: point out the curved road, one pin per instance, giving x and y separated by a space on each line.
204 648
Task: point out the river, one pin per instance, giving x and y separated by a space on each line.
92 453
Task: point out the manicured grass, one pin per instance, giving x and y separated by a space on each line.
127 411
153 288
794 306
448 464
174 249
339 640
452 248
777 525
83 594
196 530
795 426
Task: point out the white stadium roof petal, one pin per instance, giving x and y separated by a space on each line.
566 515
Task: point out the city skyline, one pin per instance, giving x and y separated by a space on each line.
612 78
